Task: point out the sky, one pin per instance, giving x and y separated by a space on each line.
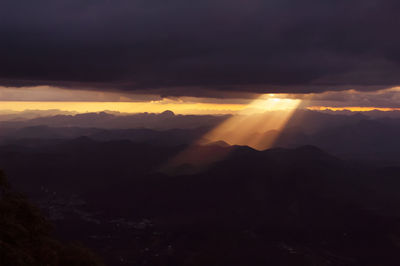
218 55
81 101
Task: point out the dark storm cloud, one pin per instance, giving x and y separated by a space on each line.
182 47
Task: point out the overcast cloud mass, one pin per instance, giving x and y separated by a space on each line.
176 47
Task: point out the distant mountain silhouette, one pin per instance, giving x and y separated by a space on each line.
283 197
86 166
165 120
321 197
366 139
353 136
10 115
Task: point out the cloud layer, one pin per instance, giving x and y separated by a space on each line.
178 47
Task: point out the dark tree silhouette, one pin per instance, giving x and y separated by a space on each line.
25 235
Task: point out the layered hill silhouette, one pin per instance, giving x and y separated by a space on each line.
351 136
274 201
326 194
164 120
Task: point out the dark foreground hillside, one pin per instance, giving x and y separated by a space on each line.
276 207
26 238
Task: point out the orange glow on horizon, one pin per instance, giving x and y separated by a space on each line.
352 108
126 107
178 106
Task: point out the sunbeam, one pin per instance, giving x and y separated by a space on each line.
255 129
256 126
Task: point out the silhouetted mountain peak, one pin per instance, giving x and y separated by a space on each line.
100 115
219 143
168 113
313 153
304 154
